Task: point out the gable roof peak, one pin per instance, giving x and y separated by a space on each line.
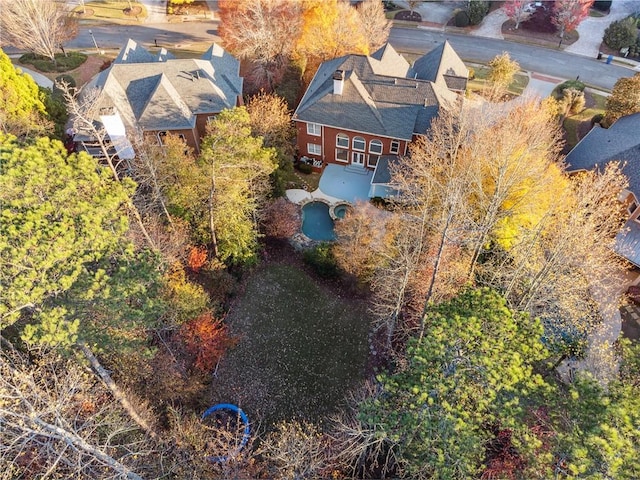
132 52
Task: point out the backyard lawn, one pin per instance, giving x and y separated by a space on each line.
301 348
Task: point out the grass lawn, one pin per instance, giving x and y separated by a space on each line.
64 63
301 348
576 124
479 82
111 10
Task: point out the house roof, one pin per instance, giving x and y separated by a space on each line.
380 95
628 242
620 142
164 93
442 65
382 173
600 146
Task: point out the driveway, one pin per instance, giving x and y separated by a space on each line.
434 12
591 29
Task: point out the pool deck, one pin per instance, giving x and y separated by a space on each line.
338 183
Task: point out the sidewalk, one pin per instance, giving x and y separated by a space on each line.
40 79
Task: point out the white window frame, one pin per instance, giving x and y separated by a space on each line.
343 137
314 129
359 139
346 152
314 149
362 158
375 144
395 146
373 160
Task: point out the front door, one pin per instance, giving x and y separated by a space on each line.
357 158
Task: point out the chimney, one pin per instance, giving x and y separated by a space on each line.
338 82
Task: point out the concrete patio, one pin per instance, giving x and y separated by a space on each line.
346 182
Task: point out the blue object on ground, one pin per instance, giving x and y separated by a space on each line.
316 222
245 435
609 59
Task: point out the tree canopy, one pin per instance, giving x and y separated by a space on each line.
624 99
63 254
22 108
236 169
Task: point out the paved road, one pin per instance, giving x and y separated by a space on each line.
475 49
536 59
173 35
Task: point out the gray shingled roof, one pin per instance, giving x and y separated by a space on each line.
162 93
382 174
442 65
602 145
628 242
620 142
377 97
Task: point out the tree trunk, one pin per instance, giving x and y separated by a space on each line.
116 392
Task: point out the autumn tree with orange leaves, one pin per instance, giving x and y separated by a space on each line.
206 338
271 33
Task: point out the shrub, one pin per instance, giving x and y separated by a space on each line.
472 73
63 63
206 339
281 218
197 258
603 5
461 19
478 9
572 101
305 168
322 260
597 118
621 33
575 84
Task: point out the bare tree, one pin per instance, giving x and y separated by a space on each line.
84 109
374 23
298 449
40 26
56 422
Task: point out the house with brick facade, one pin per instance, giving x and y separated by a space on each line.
157 94
362 111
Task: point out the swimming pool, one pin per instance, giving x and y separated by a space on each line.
316 222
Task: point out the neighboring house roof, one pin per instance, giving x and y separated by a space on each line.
442 65
381 94
602 145
620 142
164 93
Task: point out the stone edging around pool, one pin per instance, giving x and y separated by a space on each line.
300 240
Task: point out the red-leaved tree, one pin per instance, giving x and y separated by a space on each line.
567 15
516 10
206 338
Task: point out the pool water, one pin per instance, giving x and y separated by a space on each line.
340 211
316 222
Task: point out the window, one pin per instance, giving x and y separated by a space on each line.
375 146
395 146
342 140
342 155
359 143
163 135
373 160
632 207
313 129
314 149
